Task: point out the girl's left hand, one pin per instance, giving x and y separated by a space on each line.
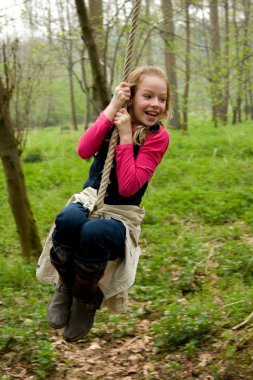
123 122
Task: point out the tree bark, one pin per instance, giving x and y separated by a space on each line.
150 60
216 81
227 65
67 42
244 72
72 95
18 199
71 75
170 57
96 24
96 66
187 68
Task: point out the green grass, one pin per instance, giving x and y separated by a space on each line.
194 280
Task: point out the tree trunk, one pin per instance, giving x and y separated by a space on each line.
216 80
150 60
96 66
187 68
243 54
71 75
85 88
227 65
18 199
246 50
49 106
96 24
72 95
251 102
236 38
170 57
67 30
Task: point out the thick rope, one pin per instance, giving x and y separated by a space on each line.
115 135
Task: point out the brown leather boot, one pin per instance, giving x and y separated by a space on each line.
58 311
87 298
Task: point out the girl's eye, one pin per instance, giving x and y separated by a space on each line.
146 96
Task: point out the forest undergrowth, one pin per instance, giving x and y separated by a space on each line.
190 313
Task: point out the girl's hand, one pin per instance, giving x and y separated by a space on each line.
120 97
122 121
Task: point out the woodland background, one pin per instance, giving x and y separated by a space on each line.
191 308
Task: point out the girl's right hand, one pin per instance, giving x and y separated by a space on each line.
121 95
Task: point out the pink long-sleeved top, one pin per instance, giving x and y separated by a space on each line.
132 173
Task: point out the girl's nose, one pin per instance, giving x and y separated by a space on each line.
154 102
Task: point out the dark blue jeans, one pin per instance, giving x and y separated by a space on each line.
89 242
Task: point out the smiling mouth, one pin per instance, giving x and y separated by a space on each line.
153 114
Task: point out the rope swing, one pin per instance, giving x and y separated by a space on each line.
115 135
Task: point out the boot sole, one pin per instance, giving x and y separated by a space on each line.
56 327
75 339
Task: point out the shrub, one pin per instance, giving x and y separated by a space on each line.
33 155
184 325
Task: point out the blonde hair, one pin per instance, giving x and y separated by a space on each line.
135 78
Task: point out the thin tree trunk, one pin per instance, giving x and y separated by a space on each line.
216 82
251 102
66 27
71 75
96 66
170 57
18 199
86 89
150 60
49 105
224 115
72 95
187 68
243 44
236 37
246 55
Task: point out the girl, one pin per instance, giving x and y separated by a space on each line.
96 254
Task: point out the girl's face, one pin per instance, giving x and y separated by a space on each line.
148 105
